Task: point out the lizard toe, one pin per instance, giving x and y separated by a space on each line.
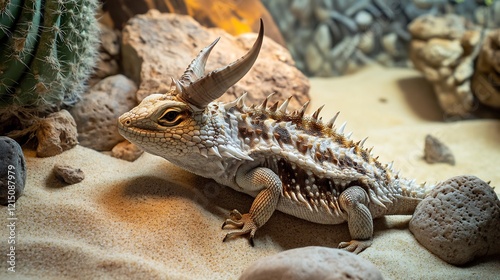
246 225
355 246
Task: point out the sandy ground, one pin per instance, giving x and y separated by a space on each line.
152 220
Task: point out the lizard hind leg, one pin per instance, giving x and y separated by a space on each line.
354 201
269 186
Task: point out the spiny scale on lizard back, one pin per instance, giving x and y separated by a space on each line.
314 161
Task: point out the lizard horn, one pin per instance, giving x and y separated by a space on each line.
196 69
200 90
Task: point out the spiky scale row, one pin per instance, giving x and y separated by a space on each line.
304 129
288 161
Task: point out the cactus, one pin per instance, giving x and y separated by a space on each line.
47 51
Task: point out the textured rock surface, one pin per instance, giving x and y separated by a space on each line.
158 47
436 151
56 133
486 79
68 174
126 151
312 263
12 170
97 113
459 220
361 32
444 49
234 16
109 51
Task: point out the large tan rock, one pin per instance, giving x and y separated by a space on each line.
312 263
460 59
97 113
486 80
157 47
459 220
234 16
444 49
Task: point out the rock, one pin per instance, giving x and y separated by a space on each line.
464 70
423 4
97 113
68 174
126 151
431 26
56 133
12 171
109 50
487 89
436 151
110 40
314 59
234 16
440 52
459 220
363 19
322 38
312 263
367 42
486 80
302 10
158 47
389 42
446 58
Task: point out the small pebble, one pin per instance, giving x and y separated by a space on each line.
436 151
68 174
126 151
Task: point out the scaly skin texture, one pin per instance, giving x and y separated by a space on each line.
286 160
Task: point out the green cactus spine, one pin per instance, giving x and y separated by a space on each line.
46 55
9 11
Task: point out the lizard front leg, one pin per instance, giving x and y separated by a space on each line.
354 201
269 186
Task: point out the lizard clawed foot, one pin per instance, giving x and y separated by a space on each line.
245 224
355 246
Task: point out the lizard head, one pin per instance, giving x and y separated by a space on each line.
171 123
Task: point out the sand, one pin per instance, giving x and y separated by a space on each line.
152 220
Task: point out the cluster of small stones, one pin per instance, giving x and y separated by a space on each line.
445 49
330 38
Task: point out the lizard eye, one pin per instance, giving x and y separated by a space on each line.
171 117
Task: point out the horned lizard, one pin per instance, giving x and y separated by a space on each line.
288 161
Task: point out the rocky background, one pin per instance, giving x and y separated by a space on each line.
333 37
144 44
